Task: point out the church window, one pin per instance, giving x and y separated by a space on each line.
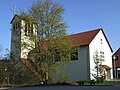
101 41
31 29
102 56
74 55
16 25
26 26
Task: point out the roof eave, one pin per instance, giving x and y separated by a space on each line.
107 40
14 18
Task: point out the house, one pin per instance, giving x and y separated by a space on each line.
116 64
81 67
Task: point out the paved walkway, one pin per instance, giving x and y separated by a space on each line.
3 88
67 88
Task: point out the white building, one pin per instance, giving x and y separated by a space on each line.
88 44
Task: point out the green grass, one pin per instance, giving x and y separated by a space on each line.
109 83
105 83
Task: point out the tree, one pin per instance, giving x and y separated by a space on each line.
13 72
98 67
4 68
51 42
0 50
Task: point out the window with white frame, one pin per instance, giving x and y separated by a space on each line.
102 56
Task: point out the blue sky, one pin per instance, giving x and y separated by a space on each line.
80 16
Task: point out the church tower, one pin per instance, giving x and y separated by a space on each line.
21 44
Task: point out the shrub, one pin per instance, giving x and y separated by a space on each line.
81 82
86 82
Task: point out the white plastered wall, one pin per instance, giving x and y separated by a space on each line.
26 44
97 45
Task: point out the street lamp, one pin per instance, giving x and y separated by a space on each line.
7 77
5 69
114 58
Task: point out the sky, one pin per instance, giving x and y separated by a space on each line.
79 15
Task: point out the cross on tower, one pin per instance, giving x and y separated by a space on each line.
14 10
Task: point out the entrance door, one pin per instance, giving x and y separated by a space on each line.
118 73
108 74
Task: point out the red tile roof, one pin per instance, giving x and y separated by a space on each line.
84 38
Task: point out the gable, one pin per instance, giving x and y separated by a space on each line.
107 40
14 18
85 38
25 18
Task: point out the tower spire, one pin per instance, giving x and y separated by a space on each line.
14 10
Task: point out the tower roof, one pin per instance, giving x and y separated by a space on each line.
21 18
15 17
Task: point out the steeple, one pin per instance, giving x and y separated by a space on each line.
20 32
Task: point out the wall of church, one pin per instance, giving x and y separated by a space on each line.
100 44
27 44
21 44
78 69
15 39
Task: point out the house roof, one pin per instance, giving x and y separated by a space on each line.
14 18
117 52
106 67
85 38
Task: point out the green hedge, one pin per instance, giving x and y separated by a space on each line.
86 82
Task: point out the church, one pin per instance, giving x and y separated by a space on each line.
82 67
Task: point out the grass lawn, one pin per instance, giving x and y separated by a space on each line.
109 83
105 83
